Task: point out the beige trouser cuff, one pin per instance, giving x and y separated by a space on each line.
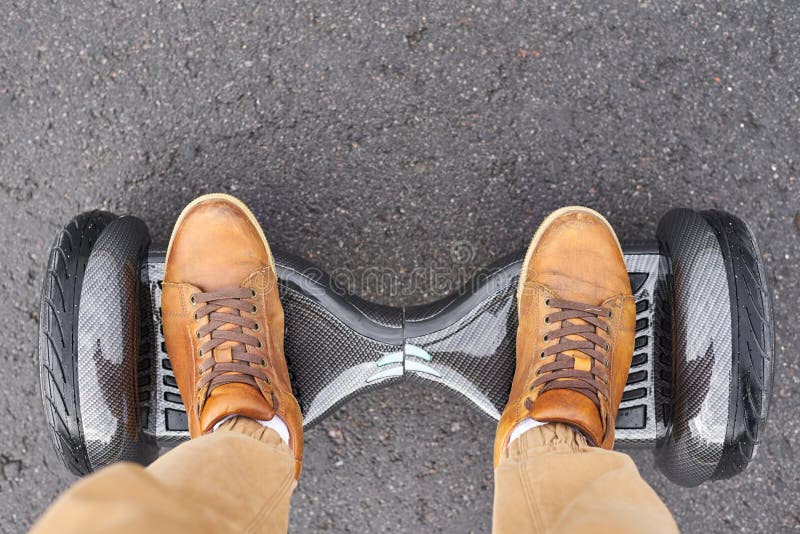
241 478
238 479
550 480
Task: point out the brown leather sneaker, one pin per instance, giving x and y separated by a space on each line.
223 320
576 329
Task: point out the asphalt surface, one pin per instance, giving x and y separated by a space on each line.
373 134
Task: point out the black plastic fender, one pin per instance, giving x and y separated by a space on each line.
721 344
108 343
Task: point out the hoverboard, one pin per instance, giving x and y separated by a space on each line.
697 391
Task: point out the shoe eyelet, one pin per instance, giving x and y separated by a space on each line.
194 316
608 346
541 355
255 309
253 293
257 327
263 362
260 345
547 319
610 314
199 353
193 300
197 334
546 338
547 302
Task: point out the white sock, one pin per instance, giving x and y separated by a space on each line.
276 423
523 426
528 423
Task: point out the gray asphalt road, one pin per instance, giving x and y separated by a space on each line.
383 134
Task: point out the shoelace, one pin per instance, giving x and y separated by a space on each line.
561 372
238 370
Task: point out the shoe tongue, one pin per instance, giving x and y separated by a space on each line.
239 399
572 408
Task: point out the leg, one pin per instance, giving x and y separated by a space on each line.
550 480
574 349
238 479
223 326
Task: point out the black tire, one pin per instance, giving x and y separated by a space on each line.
58 339
751 316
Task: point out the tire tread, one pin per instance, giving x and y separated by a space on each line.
58 334
752 343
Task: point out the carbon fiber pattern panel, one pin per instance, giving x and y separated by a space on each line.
161 407
701 348
491 278
645 273
328 361
108 342
309 278
475 355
